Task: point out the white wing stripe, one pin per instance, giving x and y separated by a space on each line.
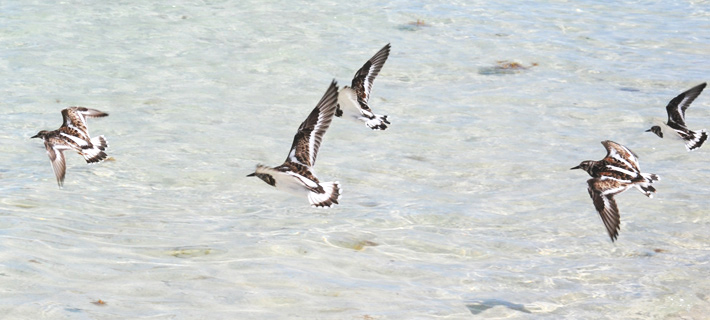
308 182
622 170
77 140
615 190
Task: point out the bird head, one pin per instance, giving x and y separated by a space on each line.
585 165
40 134
261 174
657 130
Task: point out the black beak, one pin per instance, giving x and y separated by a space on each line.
577 167
251 175
649 130
35 136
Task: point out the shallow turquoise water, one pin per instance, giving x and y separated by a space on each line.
465 207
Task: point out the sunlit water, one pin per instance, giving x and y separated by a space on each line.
465 207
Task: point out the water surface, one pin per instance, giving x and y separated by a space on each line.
464 208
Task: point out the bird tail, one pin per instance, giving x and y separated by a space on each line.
650 177
378 122
329 196
696 139
95 153
645 187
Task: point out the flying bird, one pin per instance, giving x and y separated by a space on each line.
614 174
296 174
73 135
353 101
675 126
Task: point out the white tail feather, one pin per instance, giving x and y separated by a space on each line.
380 122
96 153
697 141
328 198
645 187
651 177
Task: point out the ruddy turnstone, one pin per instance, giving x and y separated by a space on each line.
73 135
614 174
676 120
353 101
296 175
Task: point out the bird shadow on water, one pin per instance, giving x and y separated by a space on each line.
478 306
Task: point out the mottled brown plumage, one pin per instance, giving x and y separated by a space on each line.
73 135
296 175
353 101
616 173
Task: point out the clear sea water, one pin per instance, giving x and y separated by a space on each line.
464 208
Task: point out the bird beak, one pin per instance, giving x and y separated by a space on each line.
251 175
35 136
649 130
577 167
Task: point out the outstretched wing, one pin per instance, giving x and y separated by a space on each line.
602 192
363 79
676 108
307 140
622 158
56 157
75 118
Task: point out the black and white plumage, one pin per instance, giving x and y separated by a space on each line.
296 174
675 126
73 135
353 100
614 174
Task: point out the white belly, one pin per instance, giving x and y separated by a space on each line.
288 183
348 103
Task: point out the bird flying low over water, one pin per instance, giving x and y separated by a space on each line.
614 174
353 100
675 127
73 135
296 174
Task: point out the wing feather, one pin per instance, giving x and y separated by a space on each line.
621 156
676 107
602 192
307 140
363 79
56 157
75 118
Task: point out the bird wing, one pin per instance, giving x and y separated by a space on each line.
676 107
363 79
621 157
307 140
56 157
75 118
602 192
